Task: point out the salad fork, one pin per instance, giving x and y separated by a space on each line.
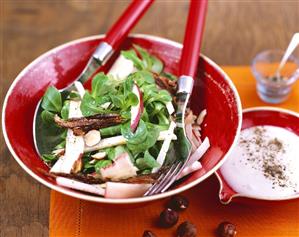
188 66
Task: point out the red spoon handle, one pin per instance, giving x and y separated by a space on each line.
126 22
193 36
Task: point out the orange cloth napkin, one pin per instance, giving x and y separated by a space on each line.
73 217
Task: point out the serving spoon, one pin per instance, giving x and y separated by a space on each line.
188 68
113 39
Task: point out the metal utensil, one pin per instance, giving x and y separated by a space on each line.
292 46
188 68
113 39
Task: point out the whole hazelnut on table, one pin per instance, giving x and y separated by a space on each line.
226 229
168 218
178 203
186 229
148 233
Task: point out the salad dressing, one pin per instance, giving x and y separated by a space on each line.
265 163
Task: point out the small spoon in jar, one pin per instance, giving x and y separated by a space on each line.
292 46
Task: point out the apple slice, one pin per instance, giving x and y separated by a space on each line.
136 110
125 190
121 168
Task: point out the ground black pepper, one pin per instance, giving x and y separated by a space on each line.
262 152
277 78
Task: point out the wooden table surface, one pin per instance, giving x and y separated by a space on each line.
235 32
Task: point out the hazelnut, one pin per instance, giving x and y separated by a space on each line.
178 203
226 229
186 229
168 218
148 233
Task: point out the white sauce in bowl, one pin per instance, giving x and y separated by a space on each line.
265 164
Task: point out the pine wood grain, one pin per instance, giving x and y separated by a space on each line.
235 32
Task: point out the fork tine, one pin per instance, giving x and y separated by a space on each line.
161 178
164 181
152 190
165 178
170 179
173 178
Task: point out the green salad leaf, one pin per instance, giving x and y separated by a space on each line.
150 62
47 117
60 145
65 109
147 162
142 78
90 106
101 85
149 138
74 95
52 100
120 150
49 158
131 55
111 131
102 164
136 137
147 61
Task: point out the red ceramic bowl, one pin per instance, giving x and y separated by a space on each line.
60 66
255 117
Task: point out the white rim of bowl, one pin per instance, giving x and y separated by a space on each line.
252 109
124 200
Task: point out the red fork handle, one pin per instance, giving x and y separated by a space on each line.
126 22
193 36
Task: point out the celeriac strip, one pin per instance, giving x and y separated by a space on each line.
120 140
199 152
74 147
169 107
79 88
165 146
190 169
